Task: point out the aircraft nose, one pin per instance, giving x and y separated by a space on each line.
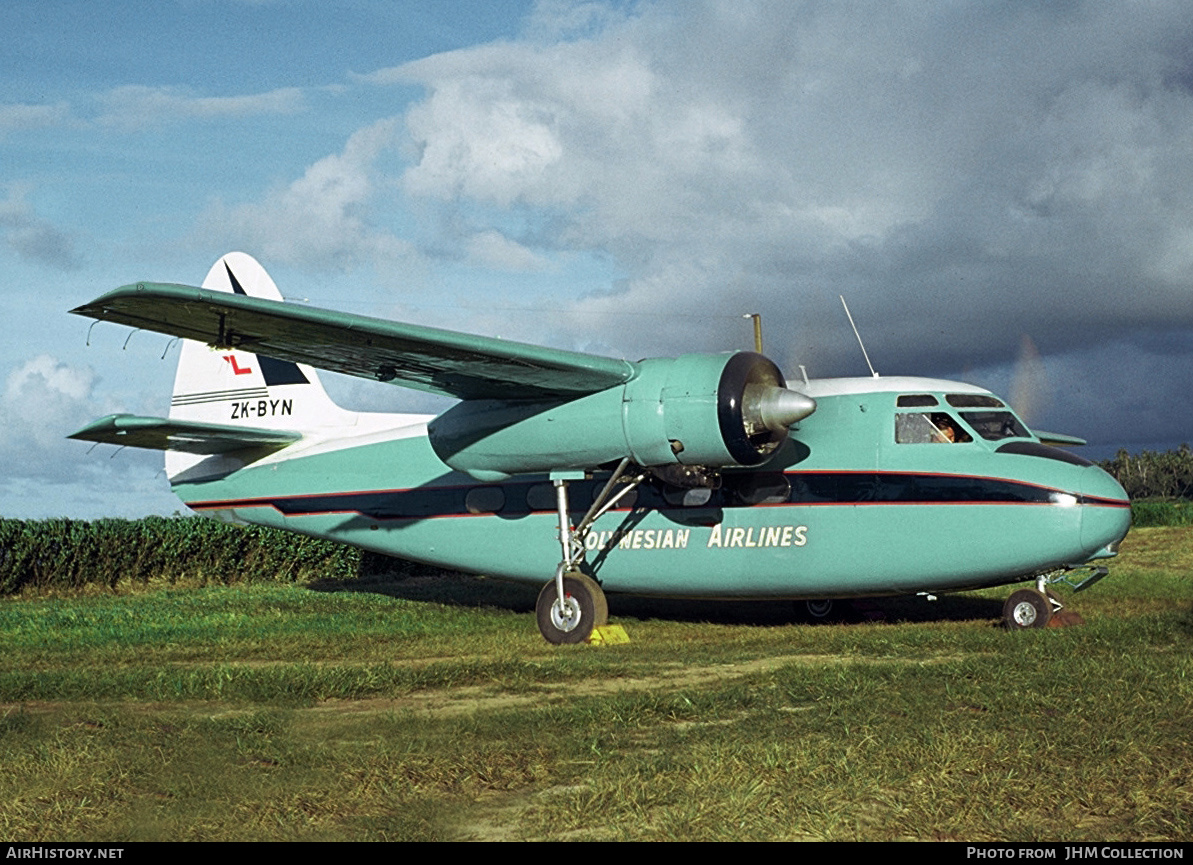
1106 514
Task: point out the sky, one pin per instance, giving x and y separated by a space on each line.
1003 192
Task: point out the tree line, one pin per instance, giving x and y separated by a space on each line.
1154 475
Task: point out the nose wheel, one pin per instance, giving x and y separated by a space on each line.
1027 608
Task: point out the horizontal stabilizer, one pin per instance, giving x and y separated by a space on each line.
1058 439
191 437
425 358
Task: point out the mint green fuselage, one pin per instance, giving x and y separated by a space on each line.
840 510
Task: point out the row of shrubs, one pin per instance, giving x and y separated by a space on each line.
61 553
1162 513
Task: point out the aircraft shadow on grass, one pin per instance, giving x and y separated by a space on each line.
462 590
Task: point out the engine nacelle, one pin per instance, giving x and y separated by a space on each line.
716 410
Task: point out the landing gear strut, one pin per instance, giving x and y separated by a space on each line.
572 604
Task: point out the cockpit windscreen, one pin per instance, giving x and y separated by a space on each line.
995 425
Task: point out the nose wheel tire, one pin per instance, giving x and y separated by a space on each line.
1027 608
583 608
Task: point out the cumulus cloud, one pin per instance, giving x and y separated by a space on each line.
321 219
494 250
44 474
44 399
965 174
31 237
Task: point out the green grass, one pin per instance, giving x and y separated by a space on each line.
429 708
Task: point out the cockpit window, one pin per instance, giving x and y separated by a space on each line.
995 425
974 400
935 428
916 400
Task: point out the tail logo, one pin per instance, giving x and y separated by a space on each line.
237 370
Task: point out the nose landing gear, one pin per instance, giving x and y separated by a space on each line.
1027 608
1041 608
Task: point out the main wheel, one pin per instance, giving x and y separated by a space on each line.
820 609
1027 608
584 607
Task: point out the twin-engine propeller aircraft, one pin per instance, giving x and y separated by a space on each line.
699 476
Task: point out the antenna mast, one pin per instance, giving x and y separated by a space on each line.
858 335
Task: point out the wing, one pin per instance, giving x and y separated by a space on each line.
425 358
191 437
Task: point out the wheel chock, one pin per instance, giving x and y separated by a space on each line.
608 635
1065 619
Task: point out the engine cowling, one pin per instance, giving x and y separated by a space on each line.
697 409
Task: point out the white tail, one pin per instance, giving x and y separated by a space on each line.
237 388
234 387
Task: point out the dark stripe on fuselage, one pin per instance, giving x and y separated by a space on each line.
806 489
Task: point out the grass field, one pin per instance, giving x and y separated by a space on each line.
429 708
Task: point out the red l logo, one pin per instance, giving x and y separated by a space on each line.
236 370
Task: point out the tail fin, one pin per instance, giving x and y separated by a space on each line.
236 388
229 386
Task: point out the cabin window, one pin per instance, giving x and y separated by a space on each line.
678 497
759 488
995 425
484 500
974 400
916 400
936 428
542 497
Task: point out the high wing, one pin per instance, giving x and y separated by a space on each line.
424 358
192 437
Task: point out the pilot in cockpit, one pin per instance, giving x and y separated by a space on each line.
947 431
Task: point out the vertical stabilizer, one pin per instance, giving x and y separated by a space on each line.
229 386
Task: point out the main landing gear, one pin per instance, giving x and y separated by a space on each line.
819 610
573 604
583 609
1040 607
